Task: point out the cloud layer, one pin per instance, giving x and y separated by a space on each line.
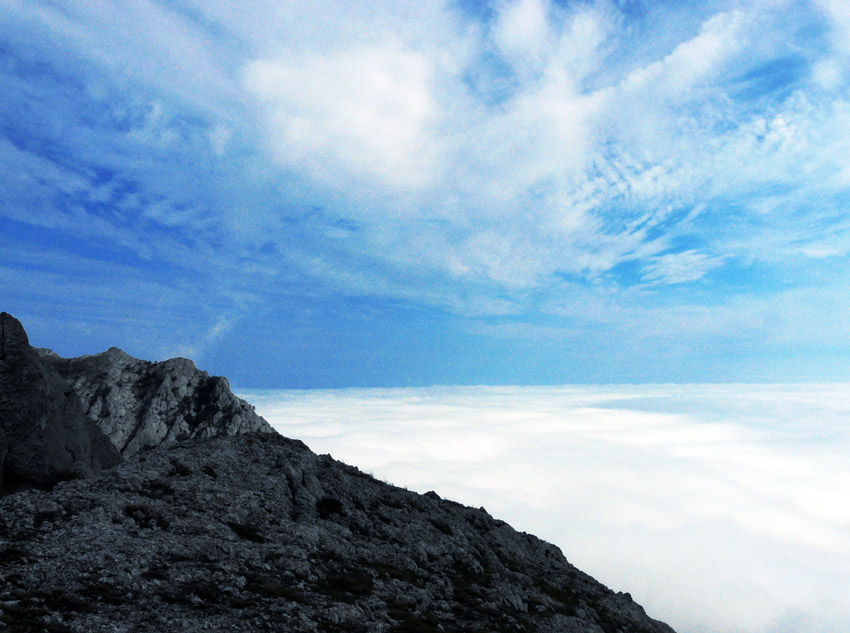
719 507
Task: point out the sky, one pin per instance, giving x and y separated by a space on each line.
363 194
719 508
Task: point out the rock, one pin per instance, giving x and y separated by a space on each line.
140 404
3 451
63 418
46 437
258 533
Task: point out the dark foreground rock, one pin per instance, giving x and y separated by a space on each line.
44 435
257 533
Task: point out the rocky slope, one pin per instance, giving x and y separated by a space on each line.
257 533
250 532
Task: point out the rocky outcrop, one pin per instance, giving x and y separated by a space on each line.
44 435
72 417
140 404
257 533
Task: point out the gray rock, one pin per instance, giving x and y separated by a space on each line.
140 404
258 533
45 435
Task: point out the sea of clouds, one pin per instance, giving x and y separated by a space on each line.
718 507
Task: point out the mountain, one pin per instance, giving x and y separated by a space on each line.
217 529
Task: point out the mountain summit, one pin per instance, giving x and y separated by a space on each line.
215 522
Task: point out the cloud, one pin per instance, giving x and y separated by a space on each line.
523 32
365 111
839 24
679 267
719 507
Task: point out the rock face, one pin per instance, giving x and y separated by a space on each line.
140 404
257 533
44 435
63 418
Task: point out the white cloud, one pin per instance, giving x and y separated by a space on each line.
137 41
364 110
692 61
719 507
523 32
839 23
220 137
667 136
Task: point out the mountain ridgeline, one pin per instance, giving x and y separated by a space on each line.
147 497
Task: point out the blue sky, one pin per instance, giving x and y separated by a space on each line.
312 195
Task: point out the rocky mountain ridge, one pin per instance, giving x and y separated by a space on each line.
72 417
140 404
248 531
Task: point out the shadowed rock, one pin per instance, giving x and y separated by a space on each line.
44 435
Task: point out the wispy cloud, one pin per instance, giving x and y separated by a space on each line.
720 508
680 267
